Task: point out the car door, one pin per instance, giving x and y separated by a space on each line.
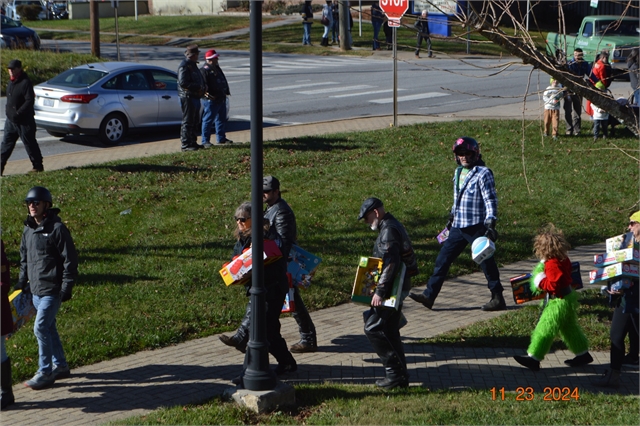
165 84
137 98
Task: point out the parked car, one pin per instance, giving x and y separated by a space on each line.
108 99
57 10
12 8
15 35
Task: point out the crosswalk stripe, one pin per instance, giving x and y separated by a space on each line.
299 86
333 89
364 93
410 97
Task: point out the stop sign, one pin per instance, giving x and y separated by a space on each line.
394 9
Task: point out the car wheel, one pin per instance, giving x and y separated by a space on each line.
56 134
113 129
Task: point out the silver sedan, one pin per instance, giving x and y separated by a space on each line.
108 99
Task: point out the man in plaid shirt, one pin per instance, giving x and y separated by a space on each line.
474 214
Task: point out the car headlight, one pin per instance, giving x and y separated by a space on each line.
616 53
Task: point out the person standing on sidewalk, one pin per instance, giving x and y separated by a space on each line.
20 122
48 268
382 324
422 25
377 19
559 316
191 88
572 101
215 100
282 219
307 20
625 320
633 63
327 22
474 214
6 325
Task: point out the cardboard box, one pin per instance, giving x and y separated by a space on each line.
289 304
367 276
624 255
443 235
302 266
22 309
613 271
620 242
621 284
522 289
238 271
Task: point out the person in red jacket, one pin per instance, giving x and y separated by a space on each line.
6 326
602 71
553 275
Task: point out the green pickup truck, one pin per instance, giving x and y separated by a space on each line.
606 32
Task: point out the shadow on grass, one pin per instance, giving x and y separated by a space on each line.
99 279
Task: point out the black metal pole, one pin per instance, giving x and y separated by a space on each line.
258 376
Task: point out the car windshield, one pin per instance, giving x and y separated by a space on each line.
624 28
77 77
9 23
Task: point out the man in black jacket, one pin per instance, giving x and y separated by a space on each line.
20 120
382 324
48 269
191 88
422 25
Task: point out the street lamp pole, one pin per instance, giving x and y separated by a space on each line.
257 376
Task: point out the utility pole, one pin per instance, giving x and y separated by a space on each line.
94 18
344 12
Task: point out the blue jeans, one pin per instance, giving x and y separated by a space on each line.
376 31
459 239
636 96
306 38
600 125
213 113
50 350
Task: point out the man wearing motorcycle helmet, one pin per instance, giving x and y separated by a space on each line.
48 269
473 214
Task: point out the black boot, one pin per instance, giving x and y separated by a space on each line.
6 384
240 339
325 42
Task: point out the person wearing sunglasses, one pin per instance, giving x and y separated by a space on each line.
277 286
625 321
48 269
474 214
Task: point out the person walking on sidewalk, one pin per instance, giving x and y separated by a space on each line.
572 101
382 324
474 214
20 122
6 325
422 25
191 88
48 269
307 20
625 321
282 219
215 100
559 316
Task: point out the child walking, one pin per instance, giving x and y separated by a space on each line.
551 98
553 275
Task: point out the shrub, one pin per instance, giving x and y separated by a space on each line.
29 12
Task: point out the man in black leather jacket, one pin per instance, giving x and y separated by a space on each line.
382 324
191 88
281 218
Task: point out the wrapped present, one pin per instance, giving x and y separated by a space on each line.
289 304
443 235
302 266
22 309
367 275
238 271
617 256
617 270
522 289
620 242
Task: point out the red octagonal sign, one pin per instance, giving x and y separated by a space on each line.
394 9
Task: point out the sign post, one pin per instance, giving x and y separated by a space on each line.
394 9
114 4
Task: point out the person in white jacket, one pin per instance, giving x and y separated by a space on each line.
551 97
600 122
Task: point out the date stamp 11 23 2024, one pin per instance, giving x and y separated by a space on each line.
555 393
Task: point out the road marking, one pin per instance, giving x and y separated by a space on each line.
266 120
410 97
334 89
364 93
452 103
299 86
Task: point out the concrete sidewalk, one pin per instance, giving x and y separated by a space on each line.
194 371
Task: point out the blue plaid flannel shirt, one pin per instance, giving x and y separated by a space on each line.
478 198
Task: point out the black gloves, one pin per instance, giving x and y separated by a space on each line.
450 222
491 233
25 287
65 293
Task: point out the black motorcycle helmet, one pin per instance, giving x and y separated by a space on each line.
466 143
39 193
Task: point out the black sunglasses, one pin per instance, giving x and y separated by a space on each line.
242 219
632 223
36 203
